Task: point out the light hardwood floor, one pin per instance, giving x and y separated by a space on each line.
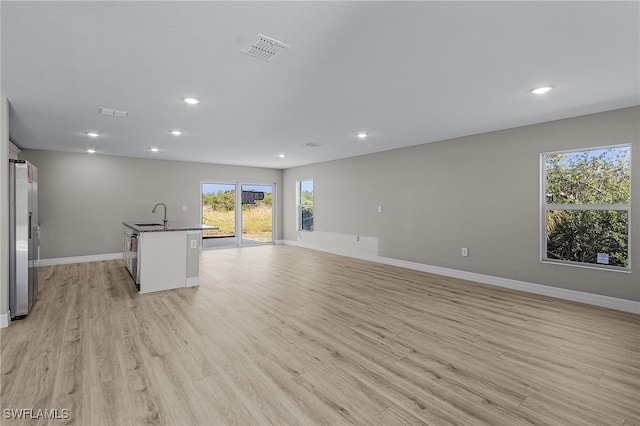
282 335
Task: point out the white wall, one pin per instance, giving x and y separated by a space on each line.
481 192
83 198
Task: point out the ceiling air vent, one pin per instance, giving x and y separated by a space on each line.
264 48
113 112
312 144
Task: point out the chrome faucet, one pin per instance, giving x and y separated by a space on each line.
164 221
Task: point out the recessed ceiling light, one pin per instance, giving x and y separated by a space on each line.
362 135
175 132
92 134
90 151
281 155
154 149
541 90
191 101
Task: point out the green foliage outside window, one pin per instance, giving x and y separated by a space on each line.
219 211
226 201
599 182
306 198
305 208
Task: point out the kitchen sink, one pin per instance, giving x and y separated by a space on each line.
148 224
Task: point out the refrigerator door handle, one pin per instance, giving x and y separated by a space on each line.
30 214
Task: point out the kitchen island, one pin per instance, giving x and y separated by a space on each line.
162 257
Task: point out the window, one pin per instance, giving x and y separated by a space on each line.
586 206
305 205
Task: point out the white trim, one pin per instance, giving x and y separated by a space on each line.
596 266
589 148
14 148
585 207
79 259
560 293
192 282
5 319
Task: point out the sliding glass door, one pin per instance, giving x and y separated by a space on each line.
237 214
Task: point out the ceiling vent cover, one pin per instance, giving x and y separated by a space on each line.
264 48
312 144
113 112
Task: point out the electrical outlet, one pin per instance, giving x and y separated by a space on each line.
194 243
464 251
379 209
185 208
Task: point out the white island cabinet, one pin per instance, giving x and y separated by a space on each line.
167 256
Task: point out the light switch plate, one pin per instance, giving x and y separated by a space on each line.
185 208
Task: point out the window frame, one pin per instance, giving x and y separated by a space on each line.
544 207
300 206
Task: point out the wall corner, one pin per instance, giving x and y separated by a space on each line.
4 210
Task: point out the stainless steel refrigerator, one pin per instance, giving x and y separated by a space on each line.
23 237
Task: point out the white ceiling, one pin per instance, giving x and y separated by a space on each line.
405 72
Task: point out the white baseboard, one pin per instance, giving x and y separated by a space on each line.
5 319
79 259
545 290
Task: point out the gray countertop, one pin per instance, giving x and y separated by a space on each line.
156 226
